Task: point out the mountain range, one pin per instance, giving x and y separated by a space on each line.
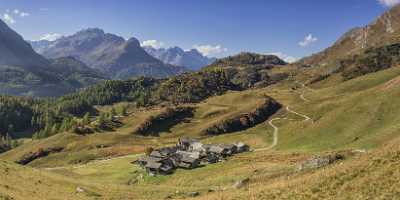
191 59
109 53
312 135
25 72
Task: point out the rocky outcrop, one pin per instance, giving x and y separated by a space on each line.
246 120
320 161
31 156
163 121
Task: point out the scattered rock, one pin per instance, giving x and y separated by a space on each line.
79 189
193 194
241 183
359 151
319 161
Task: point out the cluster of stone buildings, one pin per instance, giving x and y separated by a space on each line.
187 154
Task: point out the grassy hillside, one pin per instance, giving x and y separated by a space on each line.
360 113
273 174
19 182
374 175
83 148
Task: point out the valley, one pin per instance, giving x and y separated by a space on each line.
76 118
298 137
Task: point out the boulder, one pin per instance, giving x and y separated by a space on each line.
319 161
241 183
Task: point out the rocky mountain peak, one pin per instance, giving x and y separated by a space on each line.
134 42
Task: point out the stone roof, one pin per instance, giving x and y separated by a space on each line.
149 159
187 154
153 165
216 149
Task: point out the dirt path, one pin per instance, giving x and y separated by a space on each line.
306 118
276 129
270 122
275 135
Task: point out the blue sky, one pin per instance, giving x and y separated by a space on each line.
217 27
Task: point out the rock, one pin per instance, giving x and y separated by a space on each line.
193 194
319 161
359 151
241 183
79 189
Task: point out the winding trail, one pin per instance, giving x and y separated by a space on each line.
275 135
270 122
306 118
276 129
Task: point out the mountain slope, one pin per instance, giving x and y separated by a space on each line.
191 59
24 72
108 53
247 59
76 73
384 30
15 51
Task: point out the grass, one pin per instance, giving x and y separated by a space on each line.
82 149
370 176
361 116
362 113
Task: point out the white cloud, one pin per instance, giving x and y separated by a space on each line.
152 43
285 57
50 36
308 40
8 19
208 50
9 15
389 3
24 14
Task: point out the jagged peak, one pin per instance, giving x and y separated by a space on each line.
92 31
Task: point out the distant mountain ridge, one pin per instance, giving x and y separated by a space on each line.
25 72
191 59
247 59
109 53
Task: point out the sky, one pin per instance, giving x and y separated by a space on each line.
289 28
